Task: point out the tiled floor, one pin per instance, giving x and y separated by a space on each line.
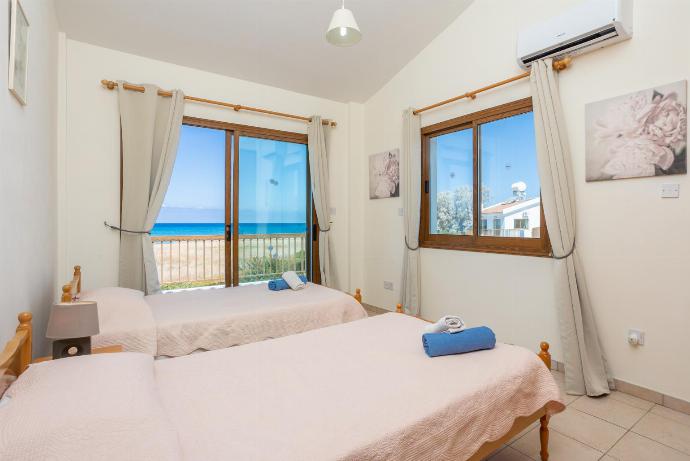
373 310
617 427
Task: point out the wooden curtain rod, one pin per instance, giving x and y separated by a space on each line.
558 66
109 84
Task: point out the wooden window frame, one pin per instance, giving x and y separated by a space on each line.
487 244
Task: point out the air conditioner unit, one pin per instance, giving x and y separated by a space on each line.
586 27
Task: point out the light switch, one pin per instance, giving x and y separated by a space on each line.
401 212
332 211
670 190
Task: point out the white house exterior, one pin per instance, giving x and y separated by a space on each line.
514 218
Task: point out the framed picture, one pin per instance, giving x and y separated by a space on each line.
638 135
384 174
19 52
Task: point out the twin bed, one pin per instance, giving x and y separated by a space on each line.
177 324
362 390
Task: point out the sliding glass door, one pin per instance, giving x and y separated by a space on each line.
273 206
238 209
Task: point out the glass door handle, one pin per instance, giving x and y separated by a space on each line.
228 232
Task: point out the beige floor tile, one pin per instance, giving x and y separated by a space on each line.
587 429
672 414
608 458
634 447
508 454
631 400
559 377
524 431
561 448
609 409
664 430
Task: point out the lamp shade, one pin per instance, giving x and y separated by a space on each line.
73 320
343 30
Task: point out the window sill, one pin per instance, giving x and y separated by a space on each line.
505 250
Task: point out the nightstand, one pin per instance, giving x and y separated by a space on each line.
96 350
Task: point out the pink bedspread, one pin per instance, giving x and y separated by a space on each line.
363 390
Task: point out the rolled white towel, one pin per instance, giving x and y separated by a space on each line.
449 323
292 279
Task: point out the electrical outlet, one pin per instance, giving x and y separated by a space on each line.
387 285
635 337
670 190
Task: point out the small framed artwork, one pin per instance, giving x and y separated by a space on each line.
384 174
19 52
638 135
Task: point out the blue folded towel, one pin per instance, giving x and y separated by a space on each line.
280 284
469 340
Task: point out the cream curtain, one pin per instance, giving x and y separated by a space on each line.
585 365
412 168
150 127
318 168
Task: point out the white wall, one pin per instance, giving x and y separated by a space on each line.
636 273
28 177
90 192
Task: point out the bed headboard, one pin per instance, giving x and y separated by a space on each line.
16 356
72 289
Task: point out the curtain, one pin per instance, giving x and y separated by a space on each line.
412 167
585 365
318 168
150 133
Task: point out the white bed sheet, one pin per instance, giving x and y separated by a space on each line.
218 318
364 390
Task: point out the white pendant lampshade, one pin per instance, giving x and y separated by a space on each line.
343 30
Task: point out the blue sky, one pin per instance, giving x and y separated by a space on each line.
272 180
508 155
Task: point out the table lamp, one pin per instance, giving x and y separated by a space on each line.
71 325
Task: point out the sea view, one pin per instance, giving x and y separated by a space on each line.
219 228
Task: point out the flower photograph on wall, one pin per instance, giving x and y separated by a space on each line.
384 174
638 135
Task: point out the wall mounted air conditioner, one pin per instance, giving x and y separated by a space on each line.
586 27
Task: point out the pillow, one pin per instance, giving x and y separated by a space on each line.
92 407
124 318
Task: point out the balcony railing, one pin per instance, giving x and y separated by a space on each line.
199 260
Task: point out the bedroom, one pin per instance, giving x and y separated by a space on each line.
62 176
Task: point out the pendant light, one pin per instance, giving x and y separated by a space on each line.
343 30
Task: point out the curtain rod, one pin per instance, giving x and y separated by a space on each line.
559 65
109 84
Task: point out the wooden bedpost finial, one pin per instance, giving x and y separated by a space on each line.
358 295
24 319
399 308
544 354
66 293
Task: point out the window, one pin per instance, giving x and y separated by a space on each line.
238 208
522 223
482 168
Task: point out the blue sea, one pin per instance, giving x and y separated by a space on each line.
219 228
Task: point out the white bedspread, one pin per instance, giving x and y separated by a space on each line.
219 318
359 391
124 318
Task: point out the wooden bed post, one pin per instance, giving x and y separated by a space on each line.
358 295
399 309
77 277
66 293
25 349
544 437
545 356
